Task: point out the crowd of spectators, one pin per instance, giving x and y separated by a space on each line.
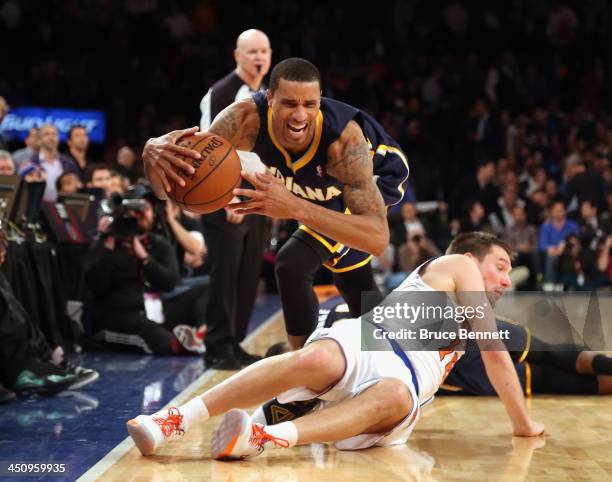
503 109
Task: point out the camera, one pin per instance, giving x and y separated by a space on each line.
121 210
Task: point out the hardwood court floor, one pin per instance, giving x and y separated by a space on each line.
457 438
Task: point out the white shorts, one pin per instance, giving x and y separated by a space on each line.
363 369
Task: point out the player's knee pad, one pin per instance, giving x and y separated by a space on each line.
296 262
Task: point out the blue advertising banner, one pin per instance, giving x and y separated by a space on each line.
20 120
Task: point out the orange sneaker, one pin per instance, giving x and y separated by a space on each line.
150 431
237 437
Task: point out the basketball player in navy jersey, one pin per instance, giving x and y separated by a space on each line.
332 168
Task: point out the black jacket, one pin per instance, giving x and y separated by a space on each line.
118 280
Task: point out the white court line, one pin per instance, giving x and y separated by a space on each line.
126 445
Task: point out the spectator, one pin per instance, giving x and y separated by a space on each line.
119 183
537 207
415 251
552 240
78 142
409 222
585 185
474 219
479 186
592 229
98 176
578 266
604 261
50 161
24 351
523 239
502 217
126 163
68 182
7 167
485 132
32 142
552 192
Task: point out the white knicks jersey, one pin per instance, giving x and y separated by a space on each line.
431 367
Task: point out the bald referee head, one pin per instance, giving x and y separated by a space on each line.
253 55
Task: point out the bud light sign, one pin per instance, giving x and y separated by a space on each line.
20 120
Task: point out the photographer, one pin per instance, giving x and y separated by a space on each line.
125 266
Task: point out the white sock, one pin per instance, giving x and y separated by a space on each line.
193 410
285 430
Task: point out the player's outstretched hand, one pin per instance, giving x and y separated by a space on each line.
269 198
161 153
531 429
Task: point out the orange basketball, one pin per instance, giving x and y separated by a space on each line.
216 174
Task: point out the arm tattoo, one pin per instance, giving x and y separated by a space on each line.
353 167
236 126
225 124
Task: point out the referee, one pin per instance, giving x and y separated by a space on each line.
235 242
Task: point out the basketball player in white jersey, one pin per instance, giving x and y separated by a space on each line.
368 398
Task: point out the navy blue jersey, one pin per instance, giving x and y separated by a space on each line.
306 174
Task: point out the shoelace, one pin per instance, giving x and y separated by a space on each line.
171 423
259 437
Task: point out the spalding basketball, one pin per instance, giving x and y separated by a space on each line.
216 174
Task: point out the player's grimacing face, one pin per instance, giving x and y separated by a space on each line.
495 269
295 106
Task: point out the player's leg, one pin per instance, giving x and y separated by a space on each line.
296 264
548 379
570 357
315 367
377 410
594 362
358 288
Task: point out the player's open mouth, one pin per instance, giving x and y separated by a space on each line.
296 131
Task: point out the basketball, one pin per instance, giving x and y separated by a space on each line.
216 174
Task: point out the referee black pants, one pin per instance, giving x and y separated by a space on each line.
235 255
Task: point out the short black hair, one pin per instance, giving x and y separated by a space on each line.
73 127
294 69
97 166
478 243
60 179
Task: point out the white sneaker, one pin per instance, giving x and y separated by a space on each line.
150 431
237 437
188 337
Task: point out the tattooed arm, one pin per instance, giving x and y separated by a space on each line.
366 228
349 160
238 123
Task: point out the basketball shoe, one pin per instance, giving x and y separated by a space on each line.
150 431
237 437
